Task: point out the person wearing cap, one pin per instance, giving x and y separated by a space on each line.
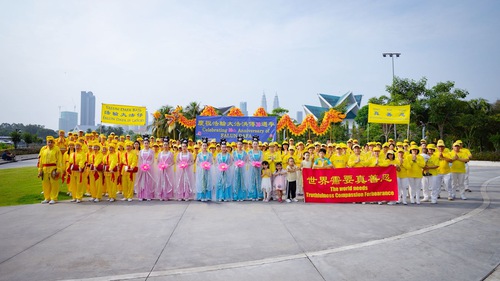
145 183
95 172
330 150
417 163
356 159
390 160
129 171
430 188
223 173
185 184
374 159
290 154
272 156
458 160
61 141
402 167
50 166
111 172
300 150
240 159
469 154
204 163
156 149
65 175
284 149
339 159
443 171
120 150
322 162
423 143
255 157
76 168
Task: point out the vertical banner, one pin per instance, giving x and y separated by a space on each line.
123 114
347 185
229 128
388 114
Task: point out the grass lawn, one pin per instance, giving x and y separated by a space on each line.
22 186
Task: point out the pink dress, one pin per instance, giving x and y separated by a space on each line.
145 179
166 181
279 181
185 186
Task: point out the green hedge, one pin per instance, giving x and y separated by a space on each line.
486 156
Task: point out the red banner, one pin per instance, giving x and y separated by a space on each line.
346 185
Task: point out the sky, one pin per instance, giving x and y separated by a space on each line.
220 53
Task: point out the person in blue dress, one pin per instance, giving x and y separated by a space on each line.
223 173
204 162
254 175
240 160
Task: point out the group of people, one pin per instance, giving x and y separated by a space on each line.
208 170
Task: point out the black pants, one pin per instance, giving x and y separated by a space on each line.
292 189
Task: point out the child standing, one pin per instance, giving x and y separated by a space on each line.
291 177
279 181
266 181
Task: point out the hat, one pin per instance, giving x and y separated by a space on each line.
212 146
459 141
240 138
414 147
431 146
49 138
375 149
272 143
400 150
423 141
349 140
310 146
61 131
413 143
385 144
389 152
330 145
338 146
356 145
223 142
284 142
96 145
300 143
71 143
406 141
292 148
316 143
390 140
196 146
399 143
456 143
440 143
355 141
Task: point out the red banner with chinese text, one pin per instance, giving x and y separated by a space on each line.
346 185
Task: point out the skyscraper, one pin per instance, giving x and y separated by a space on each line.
87 109
68 120
243 107
263 103
300 116
276 102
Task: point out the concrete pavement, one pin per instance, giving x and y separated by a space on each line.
453 240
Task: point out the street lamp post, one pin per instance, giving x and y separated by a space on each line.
392 56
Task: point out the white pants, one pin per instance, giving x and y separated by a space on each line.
415 185
466 179
458 182
427 186
435 187
402 193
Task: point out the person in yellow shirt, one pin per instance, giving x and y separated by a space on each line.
130 168
272 156
95 173
469 154
417 163
338 159
402 167
458 160
65 175
356 160
49 170
443 171
374 159
390 160
111 171
76 169
430 171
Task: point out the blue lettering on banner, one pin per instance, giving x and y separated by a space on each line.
229 128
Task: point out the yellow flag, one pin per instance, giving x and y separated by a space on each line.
388 114
123 114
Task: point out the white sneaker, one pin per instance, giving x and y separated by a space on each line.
391 203
463 197
425 199
129 200
112 200
433 202
45 201
123 199
288 200
78 201
96 200
73 200
295 200
52 202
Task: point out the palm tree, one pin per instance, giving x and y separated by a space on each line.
192 110
160 125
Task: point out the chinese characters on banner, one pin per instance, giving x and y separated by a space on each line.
230 128
388 114
346 185
123 114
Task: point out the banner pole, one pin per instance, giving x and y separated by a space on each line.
368 133
395 134
408 132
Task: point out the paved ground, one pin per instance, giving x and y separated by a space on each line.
457 240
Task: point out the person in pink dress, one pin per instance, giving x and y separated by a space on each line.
145 177
185 186
165 179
